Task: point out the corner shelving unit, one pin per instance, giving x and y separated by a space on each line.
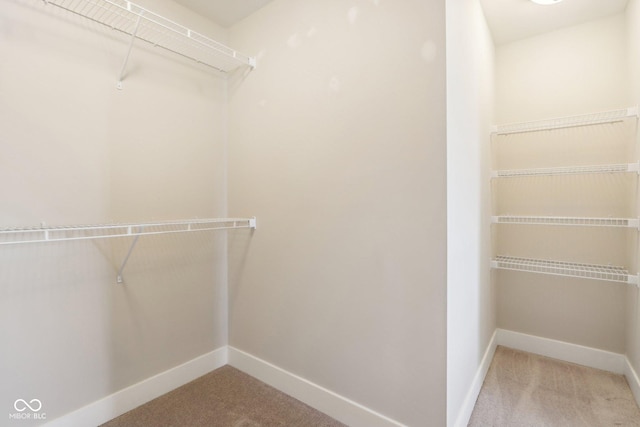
45 234
142 24
558 267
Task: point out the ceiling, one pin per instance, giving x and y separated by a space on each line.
224 12
511 20
508 20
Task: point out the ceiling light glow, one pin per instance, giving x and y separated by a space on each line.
546 2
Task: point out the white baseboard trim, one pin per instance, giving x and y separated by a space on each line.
464 415
118 403
333 404
339 407
574 353
632 379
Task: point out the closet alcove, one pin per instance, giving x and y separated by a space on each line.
362 139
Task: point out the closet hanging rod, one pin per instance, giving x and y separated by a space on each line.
43 234
570 170
567 221
566 122
122 15
567 269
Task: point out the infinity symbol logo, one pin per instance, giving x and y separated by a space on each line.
22 405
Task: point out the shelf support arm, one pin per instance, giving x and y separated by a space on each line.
126 59
119 278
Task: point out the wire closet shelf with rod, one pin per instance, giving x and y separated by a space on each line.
157 31
47 234
549 177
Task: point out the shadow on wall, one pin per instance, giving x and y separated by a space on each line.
73 336
239 245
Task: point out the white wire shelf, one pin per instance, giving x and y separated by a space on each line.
43 234
567 269
141 23
567 170
566 122
567 221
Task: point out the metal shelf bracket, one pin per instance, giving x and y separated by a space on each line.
126 59
119 278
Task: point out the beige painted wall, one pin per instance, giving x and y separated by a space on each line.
577 70
633 296
580 69
337 144
471 314
76 150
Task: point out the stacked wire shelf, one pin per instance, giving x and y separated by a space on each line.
569 121
569 170
567 269
559 267
567 221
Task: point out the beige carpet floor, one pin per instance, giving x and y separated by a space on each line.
225 397
523 389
